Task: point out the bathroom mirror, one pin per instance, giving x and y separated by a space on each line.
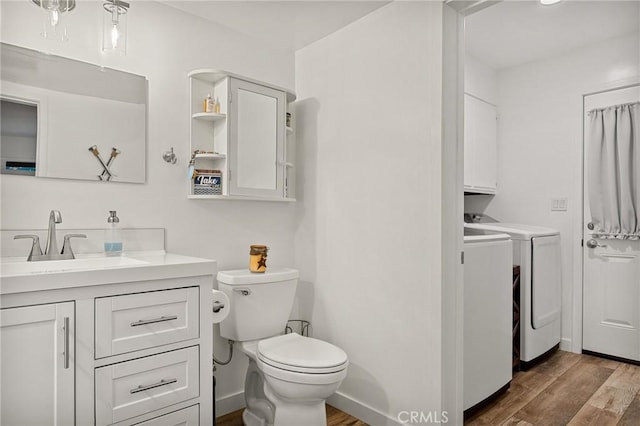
63 118
257 139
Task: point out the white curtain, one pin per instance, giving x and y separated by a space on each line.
613 171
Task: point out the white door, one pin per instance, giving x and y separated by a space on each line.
611 283
37 368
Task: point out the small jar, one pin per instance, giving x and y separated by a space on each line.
258 258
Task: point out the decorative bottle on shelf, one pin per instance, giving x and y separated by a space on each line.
216 106
113 235
209 104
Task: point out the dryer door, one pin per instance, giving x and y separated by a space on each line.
546 276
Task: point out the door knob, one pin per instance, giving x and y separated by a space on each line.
593 244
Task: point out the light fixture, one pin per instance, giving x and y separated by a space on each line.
53 26
114 27
549 2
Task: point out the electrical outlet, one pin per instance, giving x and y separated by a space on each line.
559 204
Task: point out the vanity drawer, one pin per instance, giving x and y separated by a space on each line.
144 320
189 416
132 388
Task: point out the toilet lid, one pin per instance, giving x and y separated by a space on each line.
303 354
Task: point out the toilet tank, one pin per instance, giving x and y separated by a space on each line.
260 302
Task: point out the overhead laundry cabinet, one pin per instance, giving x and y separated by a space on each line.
480 146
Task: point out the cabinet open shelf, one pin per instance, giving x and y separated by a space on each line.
238 198
209 116
211 156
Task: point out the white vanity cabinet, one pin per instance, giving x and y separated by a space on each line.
480 146
247 143
37 365
121 346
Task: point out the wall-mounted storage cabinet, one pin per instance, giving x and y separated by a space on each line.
480 146
243 150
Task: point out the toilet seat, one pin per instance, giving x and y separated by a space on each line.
298 354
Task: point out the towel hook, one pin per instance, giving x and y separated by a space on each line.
170 156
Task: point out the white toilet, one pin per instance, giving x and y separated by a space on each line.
289 376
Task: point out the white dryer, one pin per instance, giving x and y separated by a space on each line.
537 251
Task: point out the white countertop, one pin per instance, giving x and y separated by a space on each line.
144 266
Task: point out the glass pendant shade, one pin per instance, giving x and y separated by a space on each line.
53 17
114 27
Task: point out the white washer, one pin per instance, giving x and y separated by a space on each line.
487 317
537 251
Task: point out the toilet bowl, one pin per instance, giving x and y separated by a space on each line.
293 374
289 376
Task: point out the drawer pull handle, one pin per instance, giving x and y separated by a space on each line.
153 321
162 382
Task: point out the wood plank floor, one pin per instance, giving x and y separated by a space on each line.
335 417
568 389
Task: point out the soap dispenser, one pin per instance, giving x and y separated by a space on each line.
113 235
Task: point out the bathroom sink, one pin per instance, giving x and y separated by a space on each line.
8 269
94 269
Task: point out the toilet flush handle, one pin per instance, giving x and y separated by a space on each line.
243 291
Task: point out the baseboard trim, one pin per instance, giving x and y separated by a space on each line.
361 410
611 357
566 345
229 403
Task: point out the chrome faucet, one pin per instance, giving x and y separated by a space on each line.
52 245
51 249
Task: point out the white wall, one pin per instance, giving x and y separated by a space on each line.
480 80
540 144
164 44
368 237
